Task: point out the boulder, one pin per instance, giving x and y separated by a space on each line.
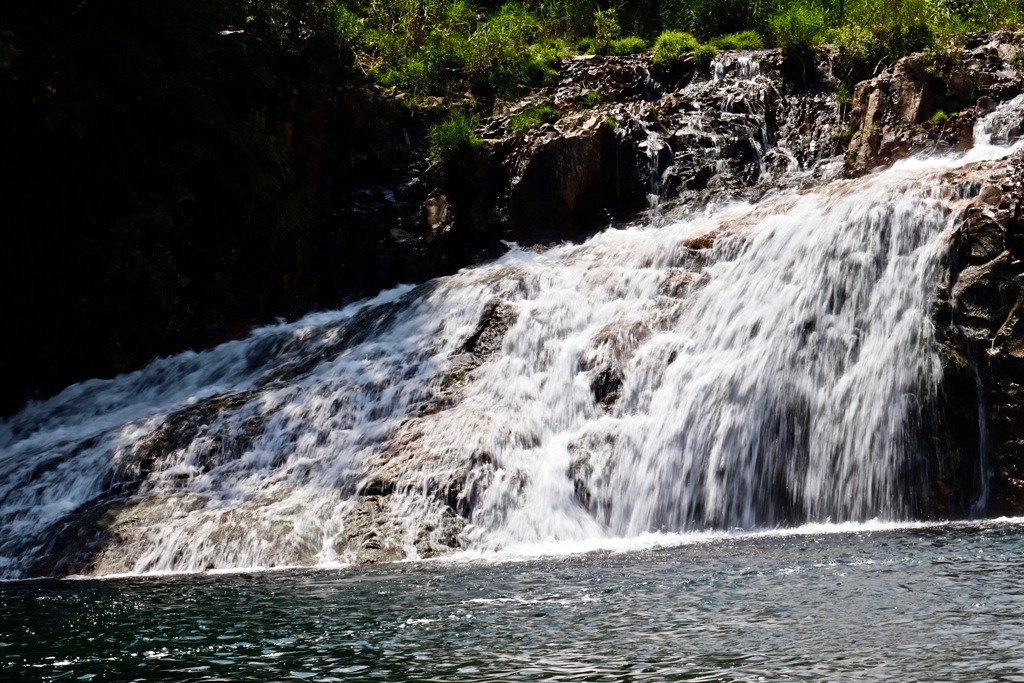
562 178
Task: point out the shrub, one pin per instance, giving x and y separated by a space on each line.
606 29
707 18
703 55
570 18
900 26
502 52
415 76
961 16
533 116
8 53
630 45
671 45
744 40
446 46
856 52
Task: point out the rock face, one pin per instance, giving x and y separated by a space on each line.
559 185
981 315
633 137
663 140
929 102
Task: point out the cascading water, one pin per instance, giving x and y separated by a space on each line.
762 365
747 99
653 146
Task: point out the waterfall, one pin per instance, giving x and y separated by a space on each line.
755 366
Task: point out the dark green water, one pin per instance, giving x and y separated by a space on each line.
928 604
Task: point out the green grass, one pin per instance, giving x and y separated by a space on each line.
799 29
491 47
703 55
742 40
533 116
630 45
672 46
591 99
453 145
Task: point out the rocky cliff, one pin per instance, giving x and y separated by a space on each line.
630 139
930 103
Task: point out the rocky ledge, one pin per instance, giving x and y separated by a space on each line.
981 330
630 137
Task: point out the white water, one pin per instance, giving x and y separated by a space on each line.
772 363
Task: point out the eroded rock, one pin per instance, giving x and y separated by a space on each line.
984 340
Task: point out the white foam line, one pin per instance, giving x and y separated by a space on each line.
657 541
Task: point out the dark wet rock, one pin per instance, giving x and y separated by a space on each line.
486 339
96 527
447 484
678 142
443 537
617 78
606 386
558 186
981 331
594 461
287 358
183 428
680 282
74 543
